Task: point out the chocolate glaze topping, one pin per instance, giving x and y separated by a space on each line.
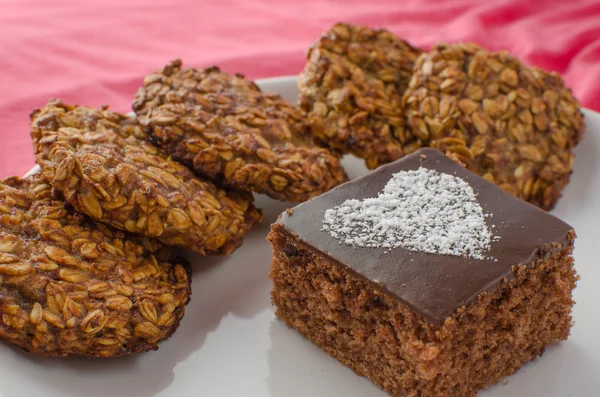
434 285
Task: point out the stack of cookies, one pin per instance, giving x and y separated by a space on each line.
372 94
85 261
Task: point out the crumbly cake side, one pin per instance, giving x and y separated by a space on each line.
380 338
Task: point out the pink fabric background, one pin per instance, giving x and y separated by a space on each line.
97 51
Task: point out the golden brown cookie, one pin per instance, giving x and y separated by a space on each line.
228 130
352 85
94 158
515 125
71 286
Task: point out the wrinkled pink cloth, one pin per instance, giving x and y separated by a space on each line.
94 52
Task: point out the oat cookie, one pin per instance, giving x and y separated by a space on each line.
94 158
352 85
515 125
70 285
228 130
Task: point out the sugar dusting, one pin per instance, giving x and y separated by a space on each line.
419 210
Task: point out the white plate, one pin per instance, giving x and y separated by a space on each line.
230 344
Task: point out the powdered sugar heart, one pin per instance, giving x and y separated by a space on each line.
419 210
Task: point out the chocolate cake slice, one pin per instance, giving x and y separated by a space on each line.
424 277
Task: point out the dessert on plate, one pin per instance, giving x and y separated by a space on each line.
429 276
424 277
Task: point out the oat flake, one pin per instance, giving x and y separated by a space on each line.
419 210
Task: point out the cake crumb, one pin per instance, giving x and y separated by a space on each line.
290 211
